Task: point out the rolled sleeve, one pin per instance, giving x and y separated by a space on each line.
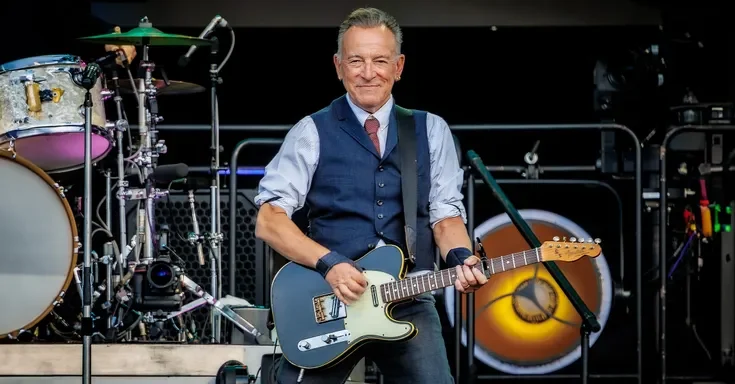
288 176
447 177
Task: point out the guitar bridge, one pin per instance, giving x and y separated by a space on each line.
328 308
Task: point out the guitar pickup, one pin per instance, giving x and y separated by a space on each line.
321 341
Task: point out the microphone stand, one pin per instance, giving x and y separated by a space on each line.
589 320
215 237
88 80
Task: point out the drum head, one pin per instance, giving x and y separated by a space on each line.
524 323
38 236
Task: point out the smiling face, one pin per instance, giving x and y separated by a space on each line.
369 65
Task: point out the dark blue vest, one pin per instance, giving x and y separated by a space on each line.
355 197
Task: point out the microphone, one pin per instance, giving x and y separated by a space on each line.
169 172
216 21
110 56
90 74
194 237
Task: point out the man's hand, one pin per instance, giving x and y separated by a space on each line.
347 282
469 279
130 51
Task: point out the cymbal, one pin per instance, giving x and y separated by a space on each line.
173 88
146 36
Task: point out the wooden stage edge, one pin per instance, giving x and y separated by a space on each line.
128 359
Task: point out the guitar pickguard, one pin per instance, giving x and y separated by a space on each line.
328 308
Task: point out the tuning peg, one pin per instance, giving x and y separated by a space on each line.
598 241
589 240
555 238
573 239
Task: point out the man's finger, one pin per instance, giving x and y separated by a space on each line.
349 295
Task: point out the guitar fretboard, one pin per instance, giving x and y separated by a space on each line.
413 286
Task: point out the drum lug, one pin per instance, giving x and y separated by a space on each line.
59 299
11 147
61 190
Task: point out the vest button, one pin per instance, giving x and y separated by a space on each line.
381 185
371 246
380 215
379 202
380 168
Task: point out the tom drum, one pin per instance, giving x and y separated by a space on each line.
39 244
524 323
42 113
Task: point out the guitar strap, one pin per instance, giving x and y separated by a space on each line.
409 175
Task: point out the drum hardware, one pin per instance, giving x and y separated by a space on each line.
228 313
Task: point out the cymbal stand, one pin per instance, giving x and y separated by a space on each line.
146 159
121 125
215 237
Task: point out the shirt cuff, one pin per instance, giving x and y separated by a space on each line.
283 203
441 211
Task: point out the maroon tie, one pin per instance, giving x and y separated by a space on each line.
371 126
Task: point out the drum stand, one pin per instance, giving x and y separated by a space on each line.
88 80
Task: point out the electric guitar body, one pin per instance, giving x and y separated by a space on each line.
316 330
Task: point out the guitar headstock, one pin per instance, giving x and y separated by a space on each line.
571 250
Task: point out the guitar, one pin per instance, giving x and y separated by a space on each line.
316 330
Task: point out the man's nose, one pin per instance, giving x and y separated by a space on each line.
368 71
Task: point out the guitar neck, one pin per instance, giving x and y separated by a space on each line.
416 285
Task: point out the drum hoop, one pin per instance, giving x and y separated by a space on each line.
75 238
20 134
41 61
54 129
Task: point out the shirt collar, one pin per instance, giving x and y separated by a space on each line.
382 114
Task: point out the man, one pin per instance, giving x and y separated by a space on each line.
349 177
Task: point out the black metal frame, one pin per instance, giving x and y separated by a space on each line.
663 230
233 213
522 127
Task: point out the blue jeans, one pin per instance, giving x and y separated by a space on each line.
421 360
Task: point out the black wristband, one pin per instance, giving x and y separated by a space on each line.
457 256
325 264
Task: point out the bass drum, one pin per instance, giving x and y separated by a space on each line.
39 241
524 323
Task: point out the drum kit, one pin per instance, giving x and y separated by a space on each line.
53 121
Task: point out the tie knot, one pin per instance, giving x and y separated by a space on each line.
371 125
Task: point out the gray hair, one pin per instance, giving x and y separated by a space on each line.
369 18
